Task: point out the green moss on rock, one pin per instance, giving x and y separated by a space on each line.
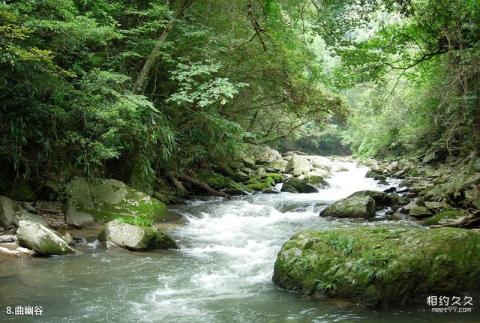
351 207
380 266
298 185
446 216
43 240
275 177
318 181
108 199
219 181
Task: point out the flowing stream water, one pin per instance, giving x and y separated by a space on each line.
221 273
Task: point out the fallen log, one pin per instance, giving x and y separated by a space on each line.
203 186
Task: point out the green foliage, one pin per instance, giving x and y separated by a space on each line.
410 71
68 67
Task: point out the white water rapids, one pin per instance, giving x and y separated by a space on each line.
232 246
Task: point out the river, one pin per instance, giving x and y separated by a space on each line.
221 273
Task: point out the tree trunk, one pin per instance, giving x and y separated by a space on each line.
142 79
181 189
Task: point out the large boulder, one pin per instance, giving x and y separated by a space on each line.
298 165
8 210
260 154
294 185
320 162
107 199
43 240
381 266
279 165
265 155
135 237
382 199
351 207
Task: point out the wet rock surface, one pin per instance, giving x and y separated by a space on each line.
380 266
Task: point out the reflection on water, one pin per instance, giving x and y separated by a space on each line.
222 273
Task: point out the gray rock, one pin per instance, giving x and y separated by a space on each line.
383 199
433 205
351 207
43 240
288 189
77 218
29 207
298 165
25 215
298 185
8 238
279 165
12 249
417 211
134 237
8 210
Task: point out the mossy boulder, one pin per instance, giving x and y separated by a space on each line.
351 207
381 266
445 217
263 183
221 182
279 165
382 199
136 238
298 185
276 177
417 211
43 240
108 199
163 241
317 181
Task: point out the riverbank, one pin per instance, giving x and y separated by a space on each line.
245 231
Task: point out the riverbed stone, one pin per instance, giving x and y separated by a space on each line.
298 165
107 199
265 155
8 210
381 266
279 165
13 249
382 199
135 237
317 181
43 240
74 216
298 185
417 211
351 207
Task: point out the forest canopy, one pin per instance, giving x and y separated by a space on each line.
138 88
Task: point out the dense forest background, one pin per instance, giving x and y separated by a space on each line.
138 89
